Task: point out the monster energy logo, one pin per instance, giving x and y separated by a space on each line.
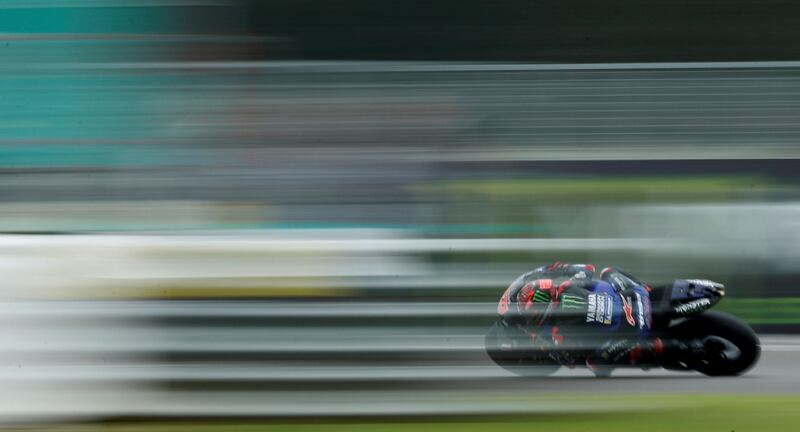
541 297
573 302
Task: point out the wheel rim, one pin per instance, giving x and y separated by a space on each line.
719 348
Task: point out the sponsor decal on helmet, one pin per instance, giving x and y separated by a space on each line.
600 309
572 302
541 297
640 310
502 307
692 306
703 282
626 307
618 282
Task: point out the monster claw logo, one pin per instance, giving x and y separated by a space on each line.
626 306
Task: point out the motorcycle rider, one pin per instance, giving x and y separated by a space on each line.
558 302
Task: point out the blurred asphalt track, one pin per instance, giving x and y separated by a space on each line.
89 360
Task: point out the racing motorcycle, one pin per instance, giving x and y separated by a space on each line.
710 342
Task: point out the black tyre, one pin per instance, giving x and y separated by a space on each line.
731 347
511 349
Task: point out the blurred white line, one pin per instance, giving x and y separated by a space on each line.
126 338
123 340
225 373
237 244
158 372
249 309
781 348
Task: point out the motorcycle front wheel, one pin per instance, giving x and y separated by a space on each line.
729 346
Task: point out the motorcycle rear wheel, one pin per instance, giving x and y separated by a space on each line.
508 349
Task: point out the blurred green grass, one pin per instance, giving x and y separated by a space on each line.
651 413
779 310
617 188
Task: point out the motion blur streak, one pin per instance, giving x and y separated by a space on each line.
234 208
